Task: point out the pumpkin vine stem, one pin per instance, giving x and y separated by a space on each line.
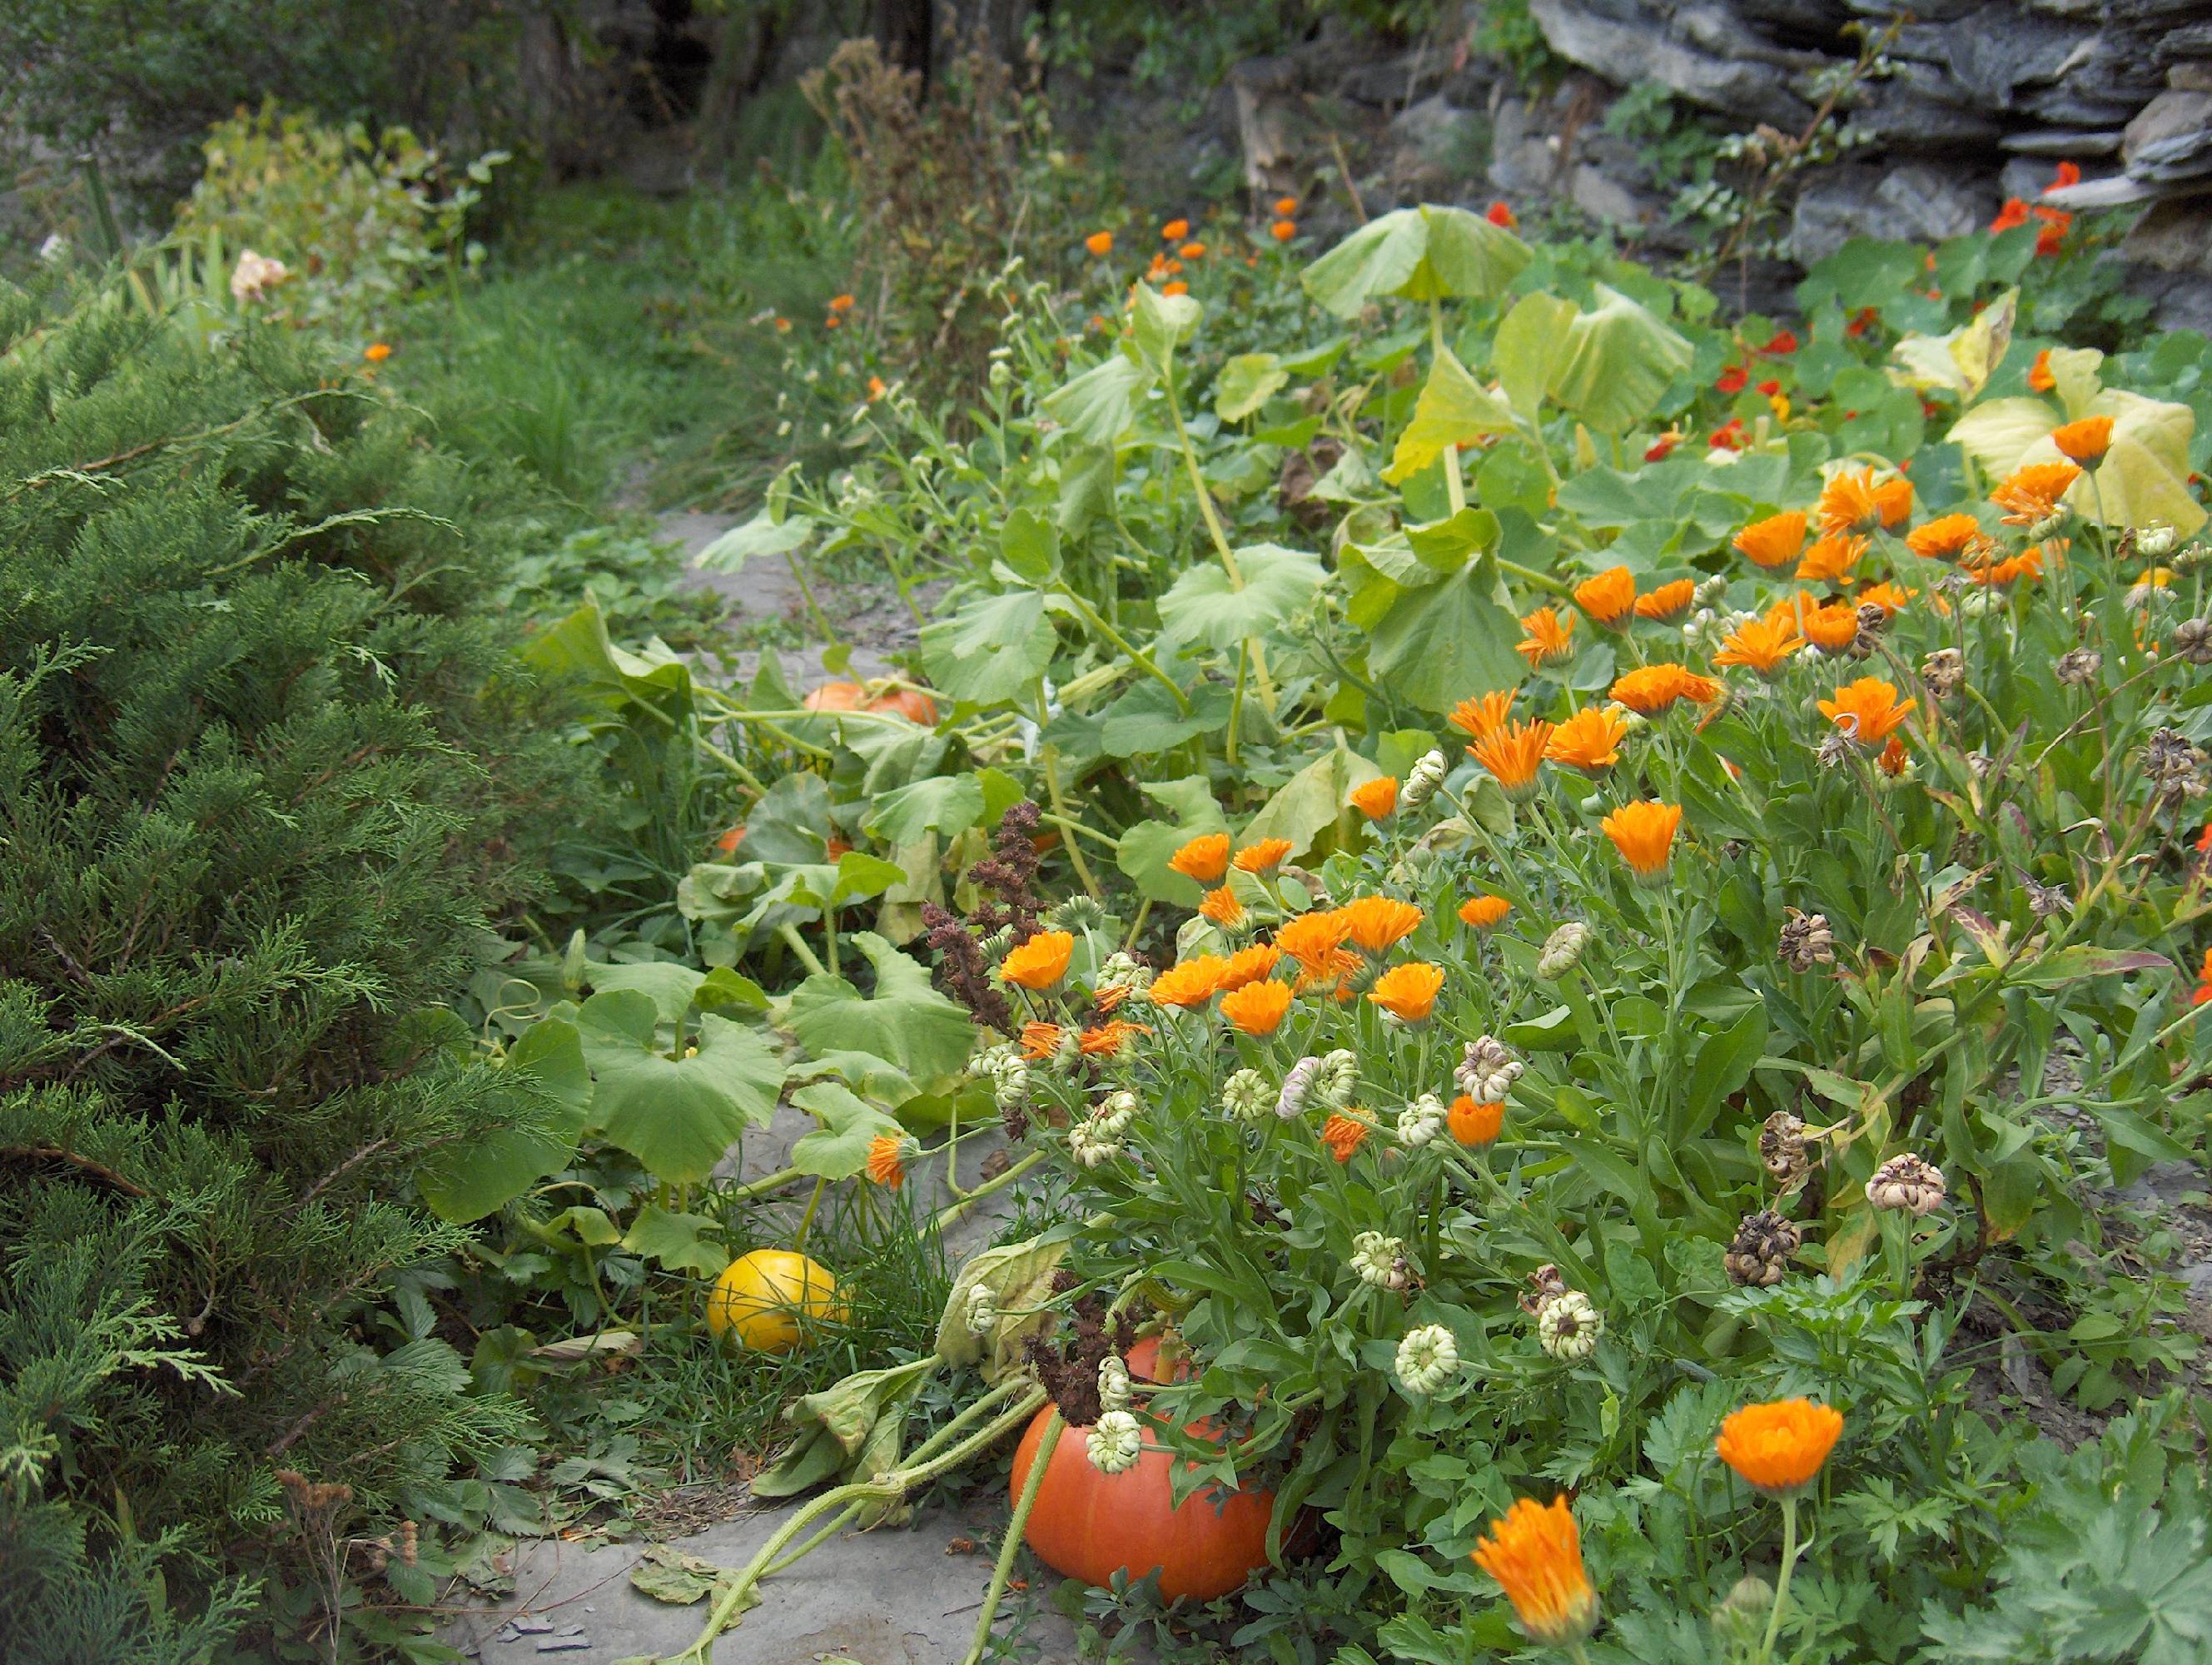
1016 1527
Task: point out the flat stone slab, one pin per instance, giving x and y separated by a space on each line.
897 1596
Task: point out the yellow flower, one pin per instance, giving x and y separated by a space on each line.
1375 923
1221 907
1868 710
1205 859
1512 754
1257 1008
1376 799
1260 857
1774 541
1590 740
1644 833
1039 963
1551 638
1779 1447
1536 1553
1606 598
1408 992
1485 911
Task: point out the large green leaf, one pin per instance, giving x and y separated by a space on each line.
1453 408
682 1242
468 1180
1145 848
1310 801
1163 322
947 802
904 1019
1419 254
838 1149
677 1116
1247 382
1438 646
993 650
579 649
1529 345
1617 360
761 535
1204 606
1100 404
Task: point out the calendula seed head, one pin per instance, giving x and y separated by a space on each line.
2192 640
1428 1359
1380 1260
1781 1148
1568 1326
1487 1071
1421 1121
2077 665
1116 1112
1337 1079
982 1310
1943 671
1561 950
2173 764
1760 1254
1113 1383
1806 941
1908 1184
1114 1442
1091 1145
1298 1087
1245 1095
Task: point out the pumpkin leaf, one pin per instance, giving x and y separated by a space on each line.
1310 801
676 1116
1962 361
1100 405
1453 408
1617 359
471 1178
1437 646
1206 606
904 1019
1247 382
1424 253
992 651
838 1149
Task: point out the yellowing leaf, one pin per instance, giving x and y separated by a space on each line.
1421 253
1965 359
1617 360
2074 369
2144 476
1454 408
1997 433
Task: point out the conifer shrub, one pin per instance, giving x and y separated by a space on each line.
266 776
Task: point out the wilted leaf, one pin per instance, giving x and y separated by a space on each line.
1618 359
1453 408
1419 254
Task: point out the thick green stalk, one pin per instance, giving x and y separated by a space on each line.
1015 1527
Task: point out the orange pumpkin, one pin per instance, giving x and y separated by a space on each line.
1087 1525
910 703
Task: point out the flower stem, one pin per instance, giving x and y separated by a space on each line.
1782 1582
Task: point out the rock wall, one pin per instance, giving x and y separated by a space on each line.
1986 98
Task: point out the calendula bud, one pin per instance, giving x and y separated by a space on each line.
1907 1183
1338 1080
1420 1120
1427 1359
1568 1327
1010 1088
1113 1383
1114 1442
1121 977
1561 950
2156 539
1740 1622
1244 1096
1712 592
1422 780
1488 1071
1760 1253
1380 1260
1091 1145
1298 1086
2050 526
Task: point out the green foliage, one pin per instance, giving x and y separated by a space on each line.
264 781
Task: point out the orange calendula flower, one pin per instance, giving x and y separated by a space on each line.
1192 251
1205 859
1832 627
1941 539
1257 1008
2038 374
1221 907
1891 761
1884 595
1894 497
1607 598
1512 754
1188 982
1175 231
1868 710
1249 965
1762 644
1286 206
1376 799
1039 963
1590 740
2032 494
1408 992
1040 1041
1473 1124
1650 689
1536 1553
887 1160
1313 939
1550 639
1483 716
2085 442
1644 833
377 352
840 303
1374 924
1779 1447
1774 541
1108 1040
1343 1134
1669 602
1484 911
1848 505
1282 230
2203 992
1262 857
1100 242
1176 288
1831 560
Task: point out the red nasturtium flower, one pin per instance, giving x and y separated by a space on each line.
1500 213
1734 380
